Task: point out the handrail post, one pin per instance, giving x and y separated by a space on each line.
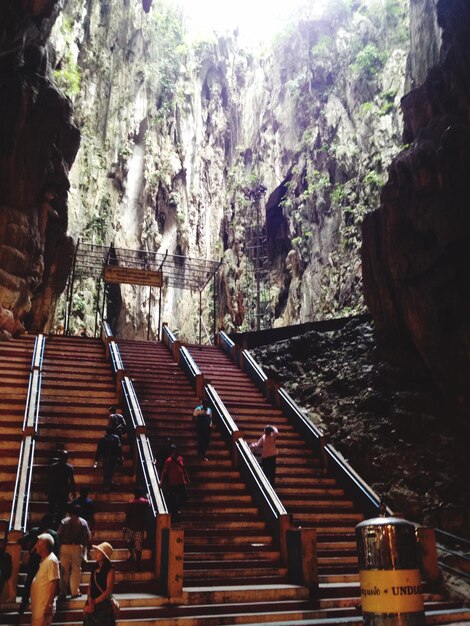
236 435
14 550
162 522
176 351
200 384
285 524
119 378
428 554
172 564
302 562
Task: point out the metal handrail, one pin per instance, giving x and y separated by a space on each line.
189 366
106 332
21 494
226 343
150 476
454 569
33 397
245 457
168 337
293 408
221 410
38 353
254 371
352 483
456 538
132 404
265 488
115 355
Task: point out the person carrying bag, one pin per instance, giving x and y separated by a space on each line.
101 608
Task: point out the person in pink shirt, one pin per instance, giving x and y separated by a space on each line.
267 445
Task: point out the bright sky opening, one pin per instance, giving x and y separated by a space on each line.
255 20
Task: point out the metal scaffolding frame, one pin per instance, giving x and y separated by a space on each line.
180 272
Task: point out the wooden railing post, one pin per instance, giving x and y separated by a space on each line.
172 564
236 435
285 524
162 522
302 563
200 384
176 352
428 554
14 550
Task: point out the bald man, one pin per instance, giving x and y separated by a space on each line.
45 586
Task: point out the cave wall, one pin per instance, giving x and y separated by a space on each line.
38 142
425 41
176 134
416 247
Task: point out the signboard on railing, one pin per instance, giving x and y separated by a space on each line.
132 276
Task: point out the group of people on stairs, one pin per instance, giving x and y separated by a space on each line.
59 545
55 560
174 477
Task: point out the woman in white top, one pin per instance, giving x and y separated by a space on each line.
267 445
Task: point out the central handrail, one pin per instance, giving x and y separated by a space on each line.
225 341
265 488
150 475
189 365
33 398
168 337
313 436
268 501
106 332
132 405
221 410
115 356
254 371
21 494
192 371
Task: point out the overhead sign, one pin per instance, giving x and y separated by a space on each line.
132 276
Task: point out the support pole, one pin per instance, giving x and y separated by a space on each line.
105 286
148 315
97 305
214 302
160 269
257 268
159 314
200 317
72 279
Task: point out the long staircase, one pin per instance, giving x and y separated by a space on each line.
309 493
226 540
77 390
232 567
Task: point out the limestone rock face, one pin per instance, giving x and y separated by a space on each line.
38 142
425 41
203 148
416 247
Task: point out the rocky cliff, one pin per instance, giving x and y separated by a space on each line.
268 157
416 247
38 142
